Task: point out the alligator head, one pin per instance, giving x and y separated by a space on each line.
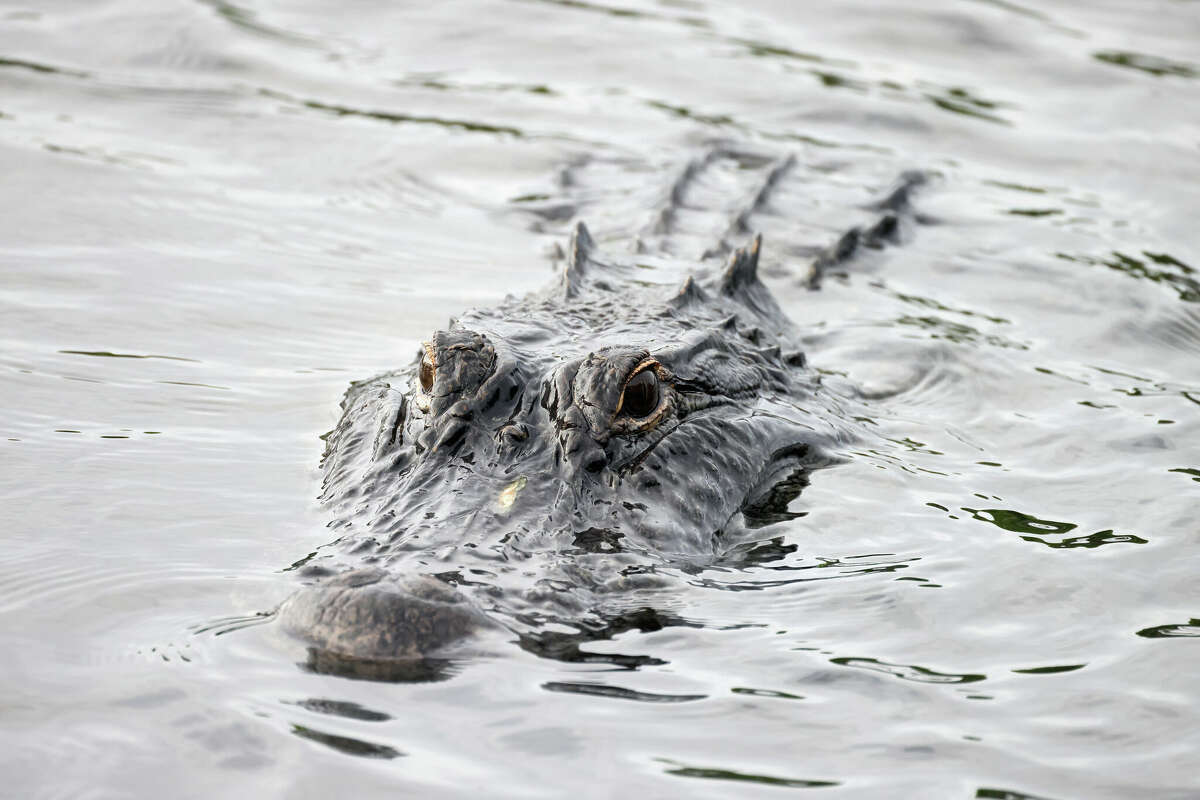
540 461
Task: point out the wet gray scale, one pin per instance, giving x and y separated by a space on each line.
215 216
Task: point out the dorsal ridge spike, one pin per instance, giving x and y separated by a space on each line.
579 253
689 293
742 268
582 243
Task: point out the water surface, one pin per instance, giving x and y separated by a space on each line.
216 215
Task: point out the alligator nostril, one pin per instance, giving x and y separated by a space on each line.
512 433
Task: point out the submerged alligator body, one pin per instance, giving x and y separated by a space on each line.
541 464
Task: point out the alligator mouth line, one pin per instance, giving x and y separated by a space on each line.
634 462
782 480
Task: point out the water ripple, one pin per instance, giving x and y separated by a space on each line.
1194 473
358 200
345 744
909 672
247 20
1048 532
1190 629
107 354
712 773
618 692
394 117
985 793
342 708
1151 65
1162 268
46 69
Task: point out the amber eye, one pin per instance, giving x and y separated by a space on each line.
641 394
426 375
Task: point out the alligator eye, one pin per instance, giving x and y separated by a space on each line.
427 373
641 394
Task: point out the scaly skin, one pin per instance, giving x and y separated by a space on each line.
508 480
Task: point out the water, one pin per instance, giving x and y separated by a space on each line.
216 215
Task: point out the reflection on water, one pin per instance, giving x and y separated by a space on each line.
343 708
346 744
1195 473
1048 532
742 777
392 116
18 63
1156 267
1154 65
1006 794
620 693
961 101
765 693
218 214
1190 628
957 332
1050 670
908 672
553 643
828 568
398 670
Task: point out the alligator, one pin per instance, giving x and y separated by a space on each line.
539 465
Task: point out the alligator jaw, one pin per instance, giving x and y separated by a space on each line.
365 623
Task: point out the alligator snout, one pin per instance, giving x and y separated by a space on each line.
367 614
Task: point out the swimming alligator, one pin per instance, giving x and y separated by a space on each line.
539 463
